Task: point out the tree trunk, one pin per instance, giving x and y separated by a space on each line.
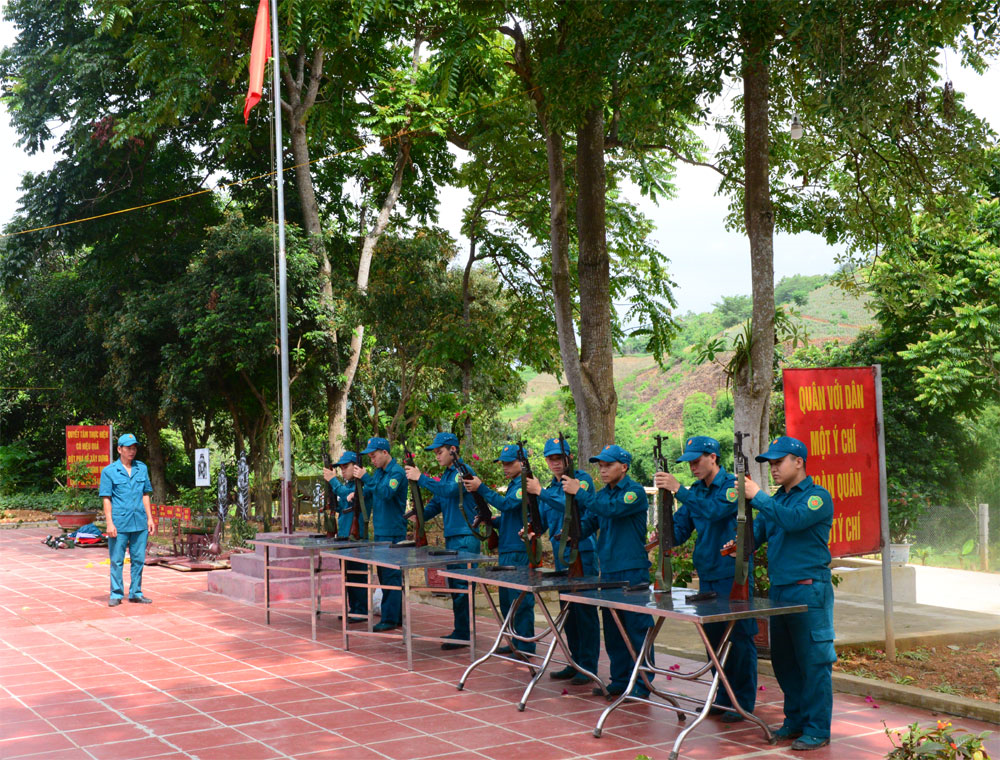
337 401
155 461
596 413
468 444
752 386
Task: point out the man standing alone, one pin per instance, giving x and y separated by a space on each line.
124 491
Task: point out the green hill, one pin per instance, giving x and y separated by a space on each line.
651 399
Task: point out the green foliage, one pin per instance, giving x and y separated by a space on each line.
795 289
21 468
938 291
41 502
734 309
240 531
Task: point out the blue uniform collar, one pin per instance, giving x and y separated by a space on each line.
576 474
720 477
802 485
120 466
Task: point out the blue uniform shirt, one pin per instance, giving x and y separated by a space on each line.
510 514
445 502
126 492
711 510
385 496
796 526
552 505
344 508
619 512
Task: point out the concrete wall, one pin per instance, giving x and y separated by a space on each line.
864 577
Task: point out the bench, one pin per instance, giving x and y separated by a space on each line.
189 540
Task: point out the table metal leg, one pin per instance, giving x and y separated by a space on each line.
555 626
472 622
506 622
267 584
407 632
312 593
344 619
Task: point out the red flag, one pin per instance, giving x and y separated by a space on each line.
260 51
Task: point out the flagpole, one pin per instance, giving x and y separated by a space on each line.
286 406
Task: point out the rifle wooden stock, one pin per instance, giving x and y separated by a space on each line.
329 516
420 532
531 518
664 525
484 516
571 528
743 548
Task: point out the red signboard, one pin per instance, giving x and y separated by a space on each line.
832 410
90 444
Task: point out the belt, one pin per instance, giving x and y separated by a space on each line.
806 582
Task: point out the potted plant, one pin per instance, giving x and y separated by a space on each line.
905 510
74 499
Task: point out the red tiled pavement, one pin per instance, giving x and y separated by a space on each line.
197 676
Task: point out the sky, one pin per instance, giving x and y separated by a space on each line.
706 261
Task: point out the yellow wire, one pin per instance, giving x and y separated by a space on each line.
382 141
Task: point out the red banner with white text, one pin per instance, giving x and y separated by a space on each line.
90 444
832 411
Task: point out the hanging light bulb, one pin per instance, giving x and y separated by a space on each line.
796 130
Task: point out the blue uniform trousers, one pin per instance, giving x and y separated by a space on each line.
802 654
357 598
392 601
460 602
524 616
135 541
582 628
635 626
741 667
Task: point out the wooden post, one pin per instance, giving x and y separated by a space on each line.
984 537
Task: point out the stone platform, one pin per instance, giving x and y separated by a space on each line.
289 581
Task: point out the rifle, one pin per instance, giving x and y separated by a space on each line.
530 516
571 528
360 515
484 517
329 499
419 534
664 524
744 524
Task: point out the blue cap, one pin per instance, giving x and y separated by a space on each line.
442 439
348 457
552 448
613 453
374 444
697 445
783 446
127 440
508 453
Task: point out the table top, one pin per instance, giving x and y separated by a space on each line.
402 557
526 579
307 541
675 605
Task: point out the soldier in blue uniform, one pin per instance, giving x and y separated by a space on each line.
709 506
582 629
355 572
795 523
124 490
458 514
385 496
510 549
618 511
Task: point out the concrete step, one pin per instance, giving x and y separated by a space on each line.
281 567
245 588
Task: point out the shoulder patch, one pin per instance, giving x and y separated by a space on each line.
630 497
584 485
393 483
518 494
458 477
731 494
815 501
